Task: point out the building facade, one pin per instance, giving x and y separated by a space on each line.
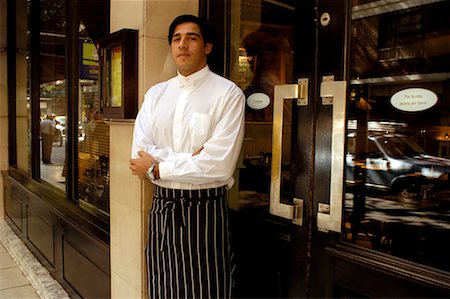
342 189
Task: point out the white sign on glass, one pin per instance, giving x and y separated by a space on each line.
414 99
258 101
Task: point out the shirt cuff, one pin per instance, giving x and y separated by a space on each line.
166 169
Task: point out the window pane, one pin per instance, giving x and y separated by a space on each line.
398 151
53 103
261 57
93 139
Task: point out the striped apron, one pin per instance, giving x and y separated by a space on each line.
189 253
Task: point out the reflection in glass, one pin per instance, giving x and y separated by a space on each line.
399 146
53 102
93 133
287 169
51 136
261 48
398 165
261 57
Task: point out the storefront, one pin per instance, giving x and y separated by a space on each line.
342 189
56 188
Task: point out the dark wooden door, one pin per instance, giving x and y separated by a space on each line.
287 152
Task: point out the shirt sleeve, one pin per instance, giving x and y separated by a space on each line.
143 139
142 136
217 160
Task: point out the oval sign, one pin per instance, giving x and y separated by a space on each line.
414 99
258 100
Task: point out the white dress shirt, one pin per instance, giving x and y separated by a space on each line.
185 114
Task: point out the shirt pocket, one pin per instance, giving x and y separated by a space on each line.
199 129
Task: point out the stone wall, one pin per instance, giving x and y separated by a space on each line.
3 102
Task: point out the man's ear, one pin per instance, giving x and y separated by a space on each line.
208 48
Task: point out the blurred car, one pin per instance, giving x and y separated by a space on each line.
397 163
60 134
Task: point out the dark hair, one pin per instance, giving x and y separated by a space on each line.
205 27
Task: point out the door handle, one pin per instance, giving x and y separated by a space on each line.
284 92
329 217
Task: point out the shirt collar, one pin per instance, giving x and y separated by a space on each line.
189 81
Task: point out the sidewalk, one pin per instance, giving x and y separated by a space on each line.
21 275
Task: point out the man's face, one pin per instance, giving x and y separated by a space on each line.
189 49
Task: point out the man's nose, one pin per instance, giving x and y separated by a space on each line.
183 42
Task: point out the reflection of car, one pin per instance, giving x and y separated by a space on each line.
60 133
396 162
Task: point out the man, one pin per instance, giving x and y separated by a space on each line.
48 129
187 138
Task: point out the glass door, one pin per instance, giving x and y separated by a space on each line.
397 163
385 71
266 201
397 198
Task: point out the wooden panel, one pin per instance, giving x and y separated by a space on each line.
40 234
44 231
13 209
82 273
367 282
90 247
362 271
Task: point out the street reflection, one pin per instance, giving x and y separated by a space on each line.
397 196
418 231
54 172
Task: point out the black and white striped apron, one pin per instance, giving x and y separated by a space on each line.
189 253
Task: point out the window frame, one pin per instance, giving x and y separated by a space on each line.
66 202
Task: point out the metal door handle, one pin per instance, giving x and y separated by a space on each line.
329 217
293 211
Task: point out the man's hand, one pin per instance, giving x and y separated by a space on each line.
197 152
140 165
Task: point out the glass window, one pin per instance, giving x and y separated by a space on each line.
49 164
52 93
398 160
93 132
261 56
